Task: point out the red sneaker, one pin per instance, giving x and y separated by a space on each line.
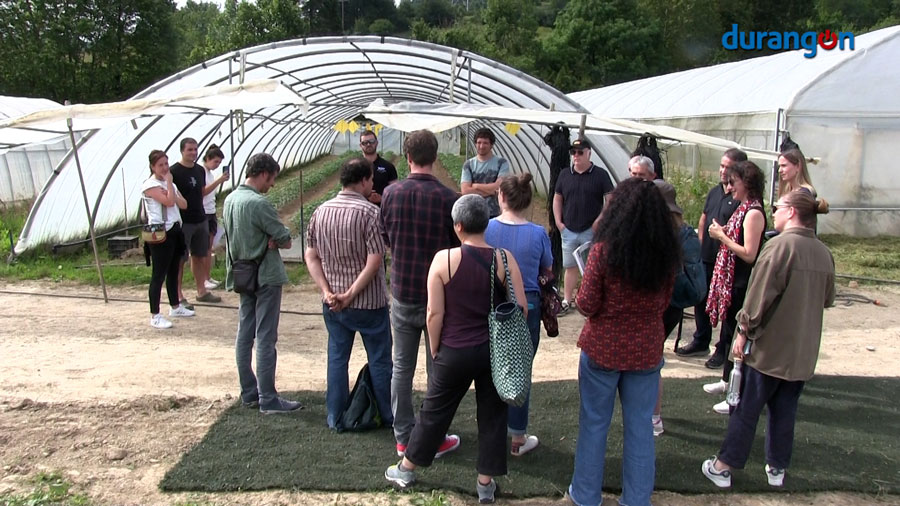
401 450
451 442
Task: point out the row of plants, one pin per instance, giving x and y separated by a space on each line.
313 173
453 164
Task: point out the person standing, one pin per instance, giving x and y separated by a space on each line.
628 280
211 161
719 206
791 285
577 203
481 174
641 167
253 230
162 202
384 171
190 179
415 214
345 256
529 244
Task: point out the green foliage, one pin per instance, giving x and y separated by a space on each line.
12 219
299 221
690 190
315 172
50 489
453 164
871 257
436 498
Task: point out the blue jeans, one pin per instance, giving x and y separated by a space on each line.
375 328
518 416
637 392
258 322
408 324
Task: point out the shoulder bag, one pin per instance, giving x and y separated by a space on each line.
154 233
244 273
512 352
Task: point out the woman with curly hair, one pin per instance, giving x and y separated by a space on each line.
627 285
740 240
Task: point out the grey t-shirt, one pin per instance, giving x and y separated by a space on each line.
488 171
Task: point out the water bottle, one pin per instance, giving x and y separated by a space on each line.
733 396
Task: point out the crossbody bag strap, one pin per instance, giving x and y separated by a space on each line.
165 210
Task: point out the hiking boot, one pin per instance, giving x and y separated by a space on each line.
209 297
486 492
210 284
158 322
519 449
775 476
657 426
717 388
716 361
694 349
181 311
279 406
185 304
400 477
721 479
722 408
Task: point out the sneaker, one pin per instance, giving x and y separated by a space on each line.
519 449
717 388
716 361
657 426
185 304
158 322
399 477
451 442
279 406
486 492
209 297
250 404
722 408
181 311
775 476
401 449
564 307
721 479
694 349
211 284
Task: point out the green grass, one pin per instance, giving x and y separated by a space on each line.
453 164
845 440
12 219
50 489
871 257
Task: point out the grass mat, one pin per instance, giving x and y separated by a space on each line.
845 440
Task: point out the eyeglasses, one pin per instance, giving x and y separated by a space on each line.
577 151
368 143
732 182
780 206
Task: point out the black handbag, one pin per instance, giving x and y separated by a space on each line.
244 273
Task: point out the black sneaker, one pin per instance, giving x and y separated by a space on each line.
694 349
250 404
716 361
279 406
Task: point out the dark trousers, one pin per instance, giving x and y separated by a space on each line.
453 371
703 334
729 325
781 397
671 317
164 259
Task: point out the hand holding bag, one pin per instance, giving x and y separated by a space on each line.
512 352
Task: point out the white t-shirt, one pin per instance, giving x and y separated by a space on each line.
154 208
209 200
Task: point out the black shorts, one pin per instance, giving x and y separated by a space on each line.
196 238
213 224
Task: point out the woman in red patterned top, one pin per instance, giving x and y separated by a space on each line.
627 284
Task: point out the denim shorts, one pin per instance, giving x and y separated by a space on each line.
570 242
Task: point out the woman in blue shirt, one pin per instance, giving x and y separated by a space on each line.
530 246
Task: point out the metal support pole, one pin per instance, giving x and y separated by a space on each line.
581 126
87 209
778 117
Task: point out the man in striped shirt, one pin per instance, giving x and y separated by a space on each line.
345 256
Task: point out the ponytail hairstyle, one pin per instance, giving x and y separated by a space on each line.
213 152
795 156
806 207
517 191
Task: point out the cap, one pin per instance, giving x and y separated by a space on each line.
581 144
668 193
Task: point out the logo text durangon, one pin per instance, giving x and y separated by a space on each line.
776 41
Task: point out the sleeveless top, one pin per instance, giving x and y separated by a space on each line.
741 268
467 299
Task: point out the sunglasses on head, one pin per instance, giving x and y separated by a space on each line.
577 151
369 142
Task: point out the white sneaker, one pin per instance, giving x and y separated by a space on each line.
158 322
180 311
775 476
658 426
717 388
721 479
722 408
211 284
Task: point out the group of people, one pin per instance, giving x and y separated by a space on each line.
443 248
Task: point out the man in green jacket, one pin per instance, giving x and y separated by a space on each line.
253 230
791 285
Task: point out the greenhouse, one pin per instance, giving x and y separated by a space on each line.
816 100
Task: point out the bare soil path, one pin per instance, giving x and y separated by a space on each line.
90 390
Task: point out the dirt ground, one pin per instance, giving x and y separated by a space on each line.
91 390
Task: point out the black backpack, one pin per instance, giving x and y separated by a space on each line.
646 146
361 412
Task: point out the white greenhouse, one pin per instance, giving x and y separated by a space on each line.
841 107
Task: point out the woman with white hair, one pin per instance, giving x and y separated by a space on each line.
459 302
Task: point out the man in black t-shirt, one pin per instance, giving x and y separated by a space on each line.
577 203
190 178
384 172
719 206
